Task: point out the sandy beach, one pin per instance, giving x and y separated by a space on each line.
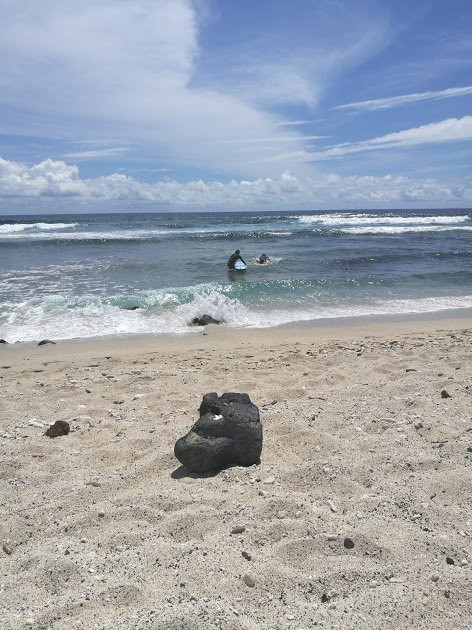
358 516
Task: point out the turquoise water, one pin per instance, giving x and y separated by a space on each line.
80 275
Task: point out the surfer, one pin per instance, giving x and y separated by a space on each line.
233 258
263 259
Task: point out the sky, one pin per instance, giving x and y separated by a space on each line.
235 104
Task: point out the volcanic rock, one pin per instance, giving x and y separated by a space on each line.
204 320
60 427
228 432
45 341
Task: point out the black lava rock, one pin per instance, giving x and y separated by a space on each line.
204 320
45 341
60 427
348 543
228 432
445 394
3 341
449 560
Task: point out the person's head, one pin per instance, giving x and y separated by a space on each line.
237 251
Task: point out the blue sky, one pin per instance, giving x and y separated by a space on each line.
182 103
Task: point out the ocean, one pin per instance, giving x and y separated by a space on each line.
73 276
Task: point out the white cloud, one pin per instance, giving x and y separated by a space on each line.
295 123
56 179
122 70
273 139
133 71
98 153
396 101
451 129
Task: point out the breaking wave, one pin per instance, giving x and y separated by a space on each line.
172 310
14 228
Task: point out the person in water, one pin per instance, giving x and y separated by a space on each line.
263 258
233 258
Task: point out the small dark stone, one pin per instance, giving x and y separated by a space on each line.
204 320
246 555
3 341
447 594
348 543
445 394
130 308
60 427
45 341
239 529
469 449
449 560
410 370
324 598
228 432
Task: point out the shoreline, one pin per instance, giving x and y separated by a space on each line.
226 336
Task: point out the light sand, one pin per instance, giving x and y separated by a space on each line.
106 531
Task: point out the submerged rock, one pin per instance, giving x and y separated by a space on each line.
3 341
60 427
130 308
45 341
228 432
204 320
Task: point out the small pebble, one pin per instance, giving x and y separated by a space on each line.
246 555
249 579
449 560
348 543
239 529
445 394
269 480
7 549
435 576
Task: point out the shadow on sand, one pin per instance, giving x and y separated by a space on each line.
184 473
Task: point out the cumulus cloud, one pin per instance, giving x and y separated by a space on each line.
405 99
56 179
451 129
